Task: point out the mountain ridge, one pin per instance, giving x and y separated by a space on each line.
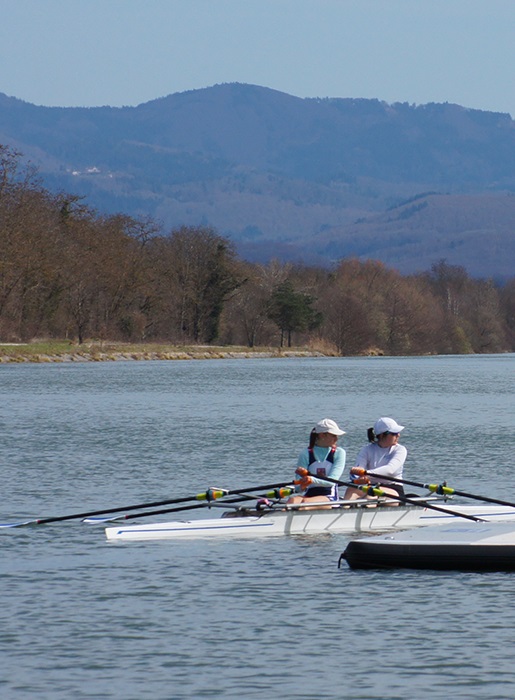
309 178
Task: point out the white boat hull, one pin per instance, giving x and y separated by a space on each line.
308 522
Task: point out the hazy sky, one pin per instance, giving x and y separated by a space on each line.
125 52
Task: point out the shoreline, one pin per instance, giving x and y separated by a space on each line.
104 355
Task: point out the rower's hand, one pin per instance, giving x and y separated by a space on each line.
301 471
358 475
304 483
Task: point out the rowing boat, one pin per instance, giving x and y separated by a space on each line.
296 519
457 546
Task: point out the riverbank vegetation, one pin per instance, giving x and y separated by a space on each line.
45 351
68 273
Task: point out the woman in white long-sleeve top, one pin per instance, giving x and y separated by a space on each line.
383 457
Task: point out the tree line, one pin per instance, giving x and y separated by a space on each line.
67 271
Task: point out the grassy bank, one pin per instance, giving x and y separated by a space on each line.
99 351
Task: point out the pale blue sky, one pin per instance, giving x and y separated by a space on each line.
125 52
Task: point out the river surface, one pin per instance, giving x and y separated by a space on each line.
81 618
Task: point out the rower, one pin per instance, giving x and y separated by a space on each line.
321 458
383 457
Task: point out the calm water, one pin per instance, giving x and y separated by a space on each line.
84 619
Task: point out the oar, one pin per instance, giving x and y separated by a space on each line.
444 490
281 492
373 491
276 494
116 518
209 495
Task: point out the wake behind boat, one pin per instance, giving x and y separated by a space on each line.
297 519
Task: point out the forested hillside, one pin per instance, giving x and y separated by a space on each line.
305 180
68 272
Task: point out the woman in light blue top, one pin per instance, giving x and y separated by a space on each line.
321 458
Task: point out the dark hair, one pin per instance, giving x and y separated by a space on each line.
371 435
312 438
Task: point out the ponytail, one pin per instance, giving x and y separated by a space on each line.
312 438
371 435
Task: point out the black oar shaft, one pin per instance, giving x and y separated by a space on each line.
276 492
87 514
447 490
161 511
210 494
425 504
405 499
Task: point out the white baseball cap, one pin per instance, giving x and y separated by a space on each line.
387 425
328 426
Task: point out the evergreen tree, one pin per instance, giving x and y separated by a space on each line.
292 311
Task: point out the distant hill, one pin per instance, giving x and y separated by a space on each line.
476 231
299 179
